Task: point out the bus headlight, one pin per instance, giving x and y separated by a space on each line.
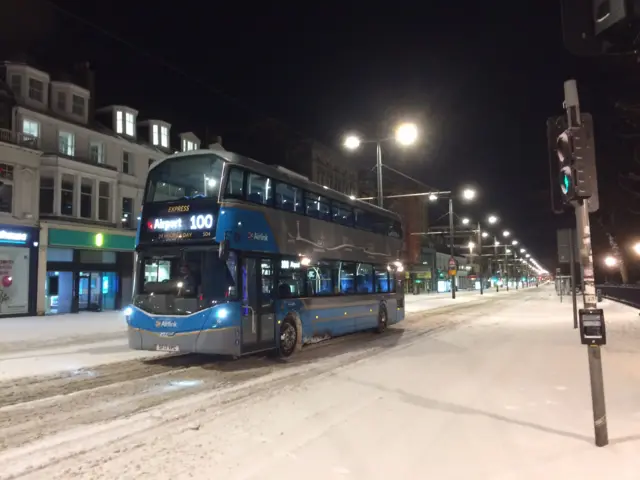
128 311
222 313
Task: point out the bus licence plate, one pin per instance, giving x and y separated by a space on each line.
168 348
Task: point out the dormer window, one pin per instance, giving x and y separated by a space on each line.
36 90
77 105
189 142
125 123
164 136
188 145
62 101
158 132
16 85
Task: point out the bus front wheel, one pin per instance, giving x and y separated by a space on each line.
382 320
288 338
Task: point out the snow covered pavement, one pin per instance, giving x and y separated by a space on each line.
495 389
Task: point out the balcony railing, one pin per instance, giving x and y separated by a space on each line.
17 138
77 158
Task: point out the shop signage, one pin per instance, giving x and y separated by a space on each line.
80 239
12 236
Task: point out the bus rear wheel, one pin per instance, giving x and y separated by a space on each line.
382 320
288 338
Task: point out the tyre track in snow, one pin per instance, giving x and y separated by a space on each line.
40 408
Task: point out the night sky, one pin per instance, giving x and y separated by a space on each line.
481 80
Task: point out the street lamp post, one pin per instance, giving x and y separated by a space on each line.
406 134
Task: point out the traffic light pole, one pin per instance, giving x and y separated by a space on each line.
574 119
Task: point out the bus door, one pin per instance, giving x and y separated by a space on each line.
258 304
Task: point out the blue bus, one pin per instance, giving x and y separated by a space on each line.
234 257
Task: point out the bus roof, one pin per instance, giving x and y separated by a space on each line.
278 174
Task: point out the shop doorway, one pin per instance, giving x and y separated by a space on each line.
97 291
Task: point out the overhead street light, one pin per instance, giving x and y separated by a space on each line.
465 221
506 233
515 242
492 219
406 134
468 194
610 261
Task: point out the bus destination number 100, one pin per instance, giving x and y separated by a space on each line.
201 222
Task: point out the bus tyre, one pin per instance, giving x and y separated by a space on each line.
288 337
382 320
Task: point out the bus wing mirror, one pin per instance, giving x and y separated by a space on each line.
223 251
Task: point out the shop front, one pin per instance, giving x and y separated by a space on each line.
18 270
87 270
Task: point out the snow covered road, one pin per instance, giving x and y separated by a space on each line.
494 388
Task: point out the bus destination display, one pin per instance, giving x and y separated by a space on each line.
187 226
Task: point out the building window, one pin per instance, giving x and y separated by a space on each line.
130 127
77 105
155 135
62 101
188 145
86 198
6 188
127 212
67 143
36 90
30 127
66 195
97 152
119 122
164 137
16 85
104 195
126 159
46 195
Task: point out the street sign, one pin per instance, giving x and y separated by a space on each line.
453 266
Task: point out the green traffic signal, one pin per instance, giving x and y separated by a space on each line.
566 183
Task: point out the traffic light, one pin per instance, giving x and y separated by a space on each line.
573 163
596 27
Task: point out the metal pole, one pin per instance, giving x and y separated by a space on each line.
497 260
572 245
506 266
480 260
379 173
572 105
453 277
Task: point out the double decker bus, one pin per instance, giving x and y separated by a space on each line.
235 257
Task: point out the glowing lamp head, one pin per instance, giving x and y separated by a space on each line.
406 134
468 194
351 142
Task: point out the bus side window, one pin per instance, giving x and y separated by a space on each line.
235 183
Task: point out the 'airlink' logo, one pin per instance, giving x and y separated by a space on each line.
166 323
262 237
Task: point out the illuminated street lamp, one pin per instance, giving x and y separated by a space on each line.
515 242
610 261
465 221
485 234
506 233
636 248
468 194
433 197
405 134
522 250
492 219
